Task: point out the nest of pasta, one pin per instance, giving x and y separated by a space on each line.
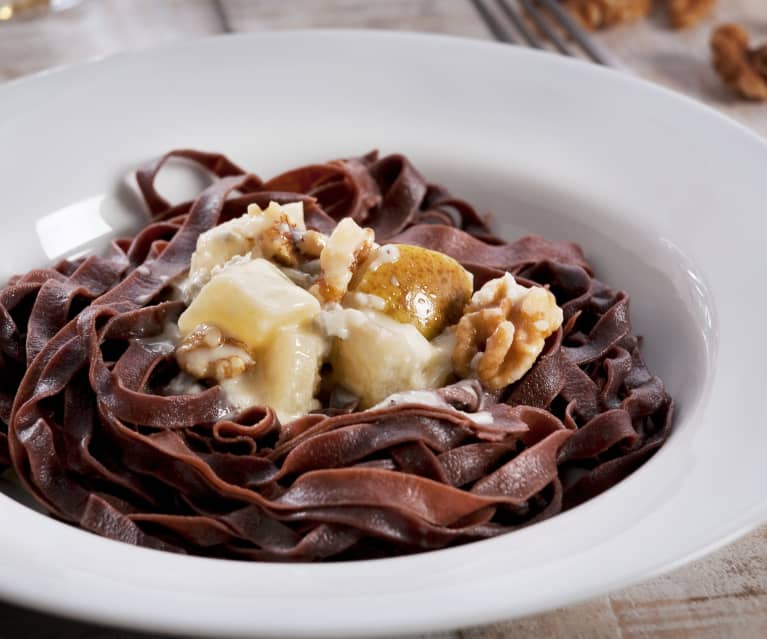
90 425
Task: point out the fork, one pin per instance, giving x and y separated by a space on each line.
541 24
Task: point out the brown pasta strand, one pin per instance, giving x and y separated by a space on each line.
89 428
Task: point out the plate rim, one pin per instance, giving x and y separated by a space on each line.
748 521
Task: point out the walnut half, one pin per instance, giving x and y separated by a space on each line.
741 68
602 14
503 331
206 354
686 13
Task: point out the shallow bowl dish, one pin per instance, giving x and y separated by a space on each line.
666 196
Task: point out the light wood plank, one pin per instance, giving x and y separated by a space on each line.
100 27
16 623
593 620
676 59
723 595
680 60
455 17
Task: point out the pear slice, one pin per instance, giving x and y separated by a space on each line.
378 356
249 301
286 375
421 287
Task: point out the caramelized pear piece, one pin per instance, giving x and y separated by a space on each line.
418 286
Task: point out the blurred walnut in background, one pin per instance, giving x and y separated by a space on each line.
602 14
742 68
686 13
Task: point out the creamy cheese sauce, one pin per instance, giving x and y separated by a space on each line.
384 255
434 400
366 300
164 343
201 358
292 313
335 321
183 384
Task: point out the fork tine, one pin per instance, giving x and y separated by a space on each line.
574 30
519 24
490 21
544 26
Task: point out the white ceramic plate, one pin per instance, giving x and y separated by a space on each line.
666 196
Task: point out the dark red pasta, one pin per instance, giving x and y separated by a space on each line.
88 425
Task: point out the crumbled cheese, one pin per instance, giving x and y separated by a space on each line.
427 398
434 400
365 300
293 211
273 233
383 255
334 320
164 342
484 417
235 260
299 277
268 303
346 248
183 384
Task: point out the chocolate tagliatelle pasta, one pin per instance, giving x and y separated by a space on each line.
92 427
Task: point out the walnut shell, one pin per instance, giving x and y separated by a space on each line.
686 13
503 330
741 68
206 354
602 14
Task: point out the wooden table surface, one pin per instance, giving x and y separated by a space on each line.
722 595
